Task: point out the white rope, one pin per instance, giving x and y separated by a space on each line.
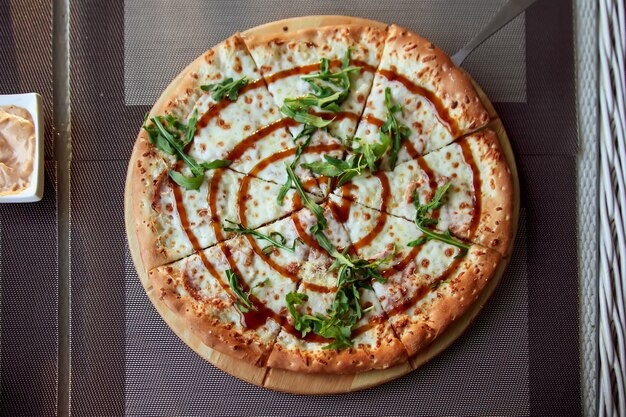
612 210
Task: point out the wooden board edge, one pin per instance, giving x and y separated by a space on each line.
324 384
287 381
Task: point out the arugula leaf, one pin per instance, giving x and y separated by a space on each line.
218 163
190 183
354 271
330 89
364 156
191 128
397 132
336 325
172 136
294 299
172 125
307 133
334 80
332 167
243 301
315 208
346 309
296 110
422 220
275 239
445 237
191 163
337 77
227 87
159 141
436 202
340 257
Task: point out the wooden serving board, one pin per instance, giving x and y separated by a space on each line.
298 383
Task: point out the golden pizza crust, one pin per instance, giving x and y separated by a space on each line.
144 162
452 300
213 332
495 226
386 351
345 361
422 62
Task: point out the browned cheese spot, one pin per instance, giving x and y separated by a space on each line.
237 67
222 123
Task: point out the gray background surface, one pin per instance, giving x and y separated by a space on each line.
498 64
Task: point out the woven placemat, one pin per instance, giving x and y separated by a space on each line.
126 361
28 232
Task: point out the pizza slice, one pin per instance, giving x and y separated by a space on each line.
419 100
429 282
236 120
233 295
373 344
476 204
320 76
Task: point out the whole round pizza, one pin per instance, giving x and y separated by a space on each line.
326 200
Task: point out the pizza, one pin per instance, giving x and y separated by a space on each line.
326 200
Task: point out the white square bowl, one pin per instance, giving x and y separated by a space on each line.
32 103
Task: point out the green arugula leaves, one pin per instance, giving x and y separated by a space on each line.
364 156
227 88
298 110
190 183
391 130
367 155
423 221
315 208
330 89
352 274
243 298
346 310
275 239
307 134
171 136
337 325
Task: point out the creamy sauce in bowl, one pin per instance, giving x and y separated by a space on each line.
17 149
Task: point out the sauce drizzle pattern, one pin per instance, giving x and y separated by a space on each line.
257 317
382 218
440 109
307 69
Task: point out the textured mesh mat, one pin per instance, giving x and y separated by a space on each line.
520 357
28 232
